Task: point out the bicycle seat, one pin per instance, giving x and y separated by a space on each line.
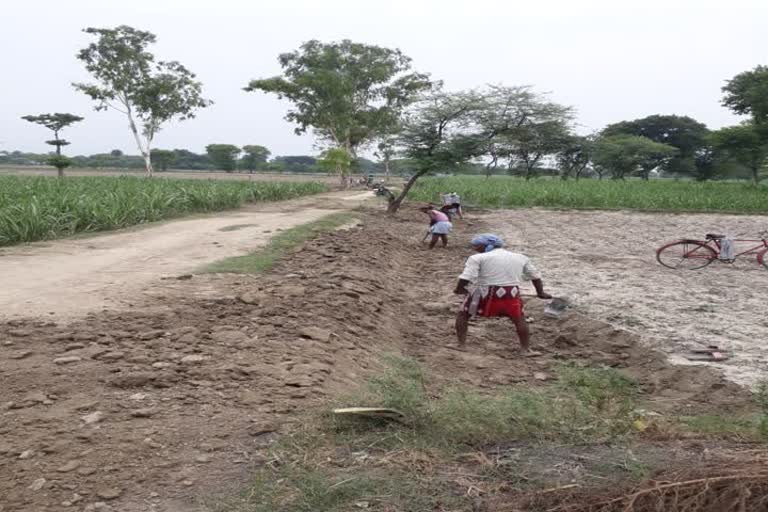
711 236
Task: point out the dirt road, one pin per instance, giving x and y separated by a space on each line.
66 279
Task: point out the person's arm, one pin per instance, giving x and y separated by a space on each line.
470 275
539 285
461 287
532 273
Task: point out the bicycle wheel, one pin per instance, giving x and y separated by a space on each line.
686 255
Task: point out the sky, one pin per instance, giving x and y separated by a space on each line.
612 60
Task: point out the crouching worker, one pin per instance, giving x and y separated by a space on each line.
497 275
439 226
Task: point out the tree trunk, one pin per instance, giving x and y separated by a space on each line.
59 170
144 152
394 204
756 175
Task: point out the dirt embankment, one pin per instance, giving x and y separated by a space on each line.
153 409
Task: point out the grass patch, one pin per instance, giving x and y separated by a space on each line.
674 196
43 208
265 258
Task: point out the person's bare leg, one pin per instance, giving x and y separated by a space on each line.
462 326
523 333
433 242
444 238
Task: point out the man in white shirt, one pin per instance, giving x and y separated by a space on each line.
496 275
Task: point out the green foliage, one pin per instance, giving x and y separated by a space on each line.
265 258
574 155
743 144
162 158
41 208
336 161
348 93
129 80
626 155
223 156
59 162
56 122
254 157
689 136
747 94
661 195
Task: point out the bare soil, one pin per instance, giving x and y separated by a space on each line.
159 407
605 262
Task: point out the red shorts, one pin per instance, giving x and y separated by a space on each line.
510 304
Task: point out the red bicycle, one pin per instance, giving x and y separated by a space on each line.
696 254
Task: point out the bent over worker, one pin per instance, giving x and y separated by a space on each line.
497 275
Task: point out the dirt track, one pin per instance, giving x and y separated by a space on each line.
160 408
68 278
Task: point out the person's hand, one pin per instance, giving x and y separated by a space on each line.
544 295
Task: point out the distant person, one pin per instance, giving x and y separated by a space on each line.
452 204
497 275
439 225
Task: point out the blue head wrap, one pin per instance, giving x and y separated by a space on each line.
487 240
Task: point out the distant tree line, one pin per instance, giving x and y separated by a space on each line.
246 159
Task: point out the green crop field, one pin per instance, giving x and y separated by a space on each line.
39 208
507 192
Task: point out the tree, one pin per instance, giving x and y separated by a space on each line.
439 133
129 80
743 144
574 156
684 133
337 161
625 155
116 153
521 126
348 93
747 94
526 145
56 122
162 158
254 157
223 156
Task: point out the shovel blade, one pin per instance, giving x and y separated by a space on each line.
556 307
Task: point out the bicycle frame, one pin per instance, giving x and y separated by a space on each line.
757 250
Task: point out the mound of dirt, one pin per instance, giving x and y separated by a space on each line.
153 407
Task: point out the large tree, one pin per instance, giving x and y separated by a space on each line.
56 122
745 145
684 133
254 157
627 155
574 155
526 146
347 93
223 156
747 94
521 126
129 80
440 133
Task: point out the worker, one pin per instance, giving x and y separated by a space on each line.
496 275
452 205
439 225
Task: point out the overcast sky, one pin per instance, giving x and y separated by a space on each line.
610 59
